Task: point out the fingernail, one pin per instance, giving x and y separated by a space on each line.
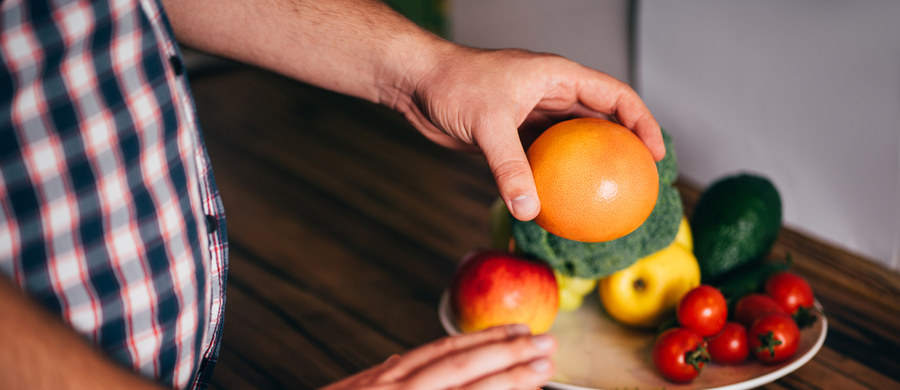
517 330
543 342
540 365
523 205
391 359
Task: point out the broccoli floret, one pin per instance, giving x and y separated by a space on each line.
598 259
595 260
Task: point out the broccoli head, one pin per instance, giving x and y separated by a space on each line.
599 259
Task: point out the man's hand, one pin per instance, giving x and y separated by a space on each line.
477 98
505 357
456 96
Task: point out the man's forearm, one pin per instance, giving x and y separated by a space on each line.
357 47
37 351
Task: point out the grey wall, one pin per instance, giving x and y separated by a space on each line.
806 92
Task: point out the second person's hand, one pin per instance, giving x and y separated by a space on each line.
504 357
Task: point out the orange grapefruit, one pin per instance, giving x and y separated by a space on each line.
596 180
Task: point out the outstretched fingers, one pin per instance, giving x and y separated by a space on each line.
524 376
520 362
420 357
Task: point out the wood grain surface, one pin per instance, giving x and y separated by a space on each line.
345 225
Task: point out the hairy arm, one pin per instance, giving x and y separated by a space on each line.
40 352
457 96
361 48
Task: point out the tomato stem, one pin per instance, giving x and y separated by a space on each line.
697 357
768 342
804 317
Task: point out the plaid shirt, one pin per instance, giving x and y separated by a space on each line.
109 216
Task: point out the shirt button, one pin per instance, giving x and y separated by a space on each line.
177 65
211 224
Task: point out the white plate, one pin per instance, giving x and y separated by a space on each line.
597 353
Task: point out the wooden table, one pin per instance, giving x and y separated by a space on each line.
345 225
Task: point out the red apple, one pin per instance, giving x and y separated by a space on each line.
492 288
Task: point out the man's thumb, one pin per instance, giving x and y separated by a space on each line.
509 165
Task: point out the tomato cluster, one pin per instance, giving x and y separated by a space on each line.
762 324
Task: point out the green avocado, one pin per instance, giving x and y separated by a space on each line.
735 222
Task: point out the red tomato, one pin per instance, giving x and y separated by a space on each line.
730 345
752 306
680 354
774 338
790 290
703 310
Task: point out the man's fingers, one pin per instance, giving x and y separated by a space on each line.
416 359
526 376
492 359
505 156
606 94
633 114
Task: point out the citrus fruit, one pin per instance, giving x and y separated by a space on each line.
596 180
735 221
